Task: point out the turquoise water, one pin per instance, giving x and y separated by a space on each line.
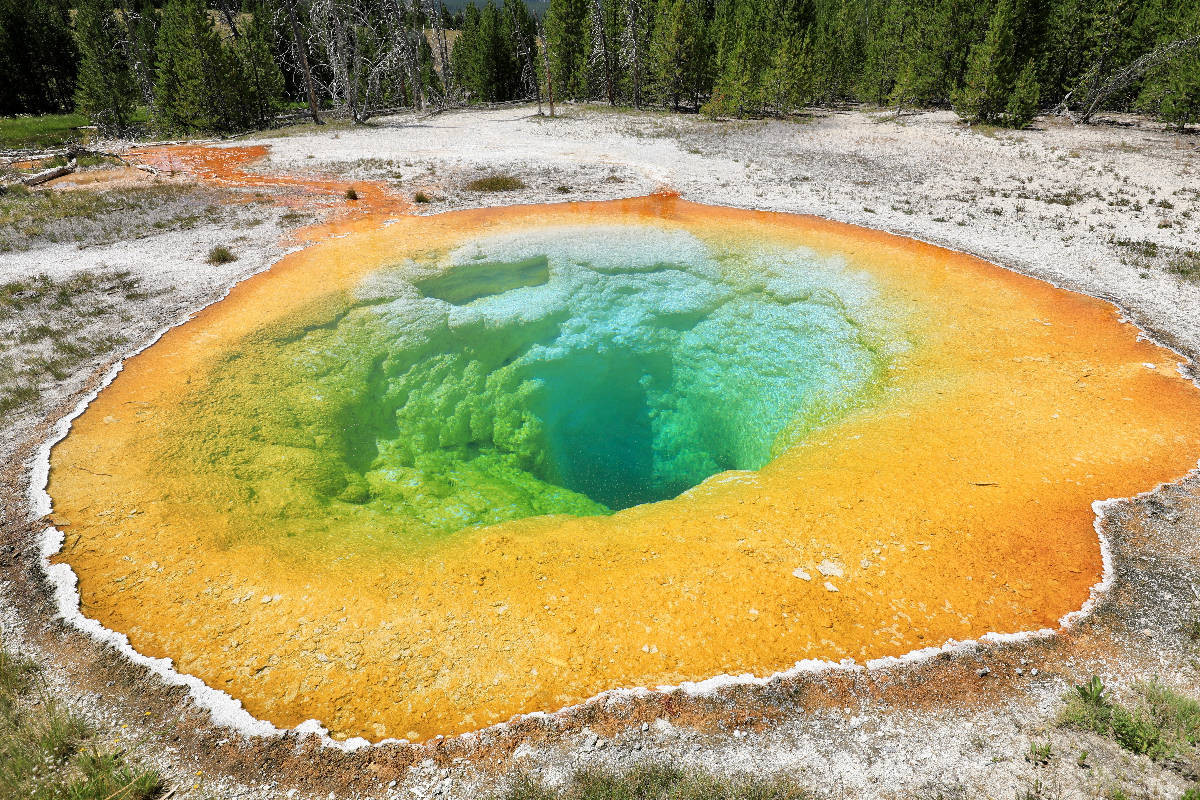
575 371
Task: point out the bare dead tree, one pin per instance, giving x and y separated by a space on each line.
1097 88
409 49
361 47
443 50
367 43
632 47
529 71
524 36
300 47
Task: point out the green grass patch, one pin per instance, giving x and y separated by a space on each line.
1185 264
220 254
496 183
1158 722
49 753
1175 260
657 782
46 131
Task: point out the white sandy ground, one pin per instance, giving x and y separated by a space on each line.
923 175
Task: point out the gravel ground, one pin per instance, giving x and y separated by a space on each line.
1110 210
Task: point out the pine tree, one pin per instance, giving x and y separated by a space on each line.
741 61
494 54
105 88
839 44
567 46
257 84
465 57
1180 99
190 83
38 58
738 90
990 71
788 81
1172 92
678 51
1023 99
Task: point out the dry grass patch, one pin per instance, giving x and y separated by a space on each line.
91 217
496 183
657 782
49 327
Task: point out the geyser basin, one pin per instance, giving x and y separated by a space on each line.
417 480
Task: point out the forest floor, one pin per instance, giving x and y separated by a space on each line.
92 267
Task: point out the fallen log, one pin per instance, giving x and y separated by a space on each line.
49 174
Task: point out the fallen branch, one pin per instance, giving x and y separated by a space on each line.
39 178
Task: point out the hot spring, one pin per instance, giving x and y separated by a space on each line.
577 371
421 478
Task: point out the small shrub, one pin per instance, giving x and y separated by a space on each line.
1092 692
1039 754
351 194
496 183
220 254
421 197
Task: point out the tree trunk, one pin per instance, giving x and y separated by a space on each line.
230 17
302 57
631 24
49 174
605 52
546 67
439 38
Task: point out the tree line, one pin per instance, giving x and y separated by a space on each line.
232 65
